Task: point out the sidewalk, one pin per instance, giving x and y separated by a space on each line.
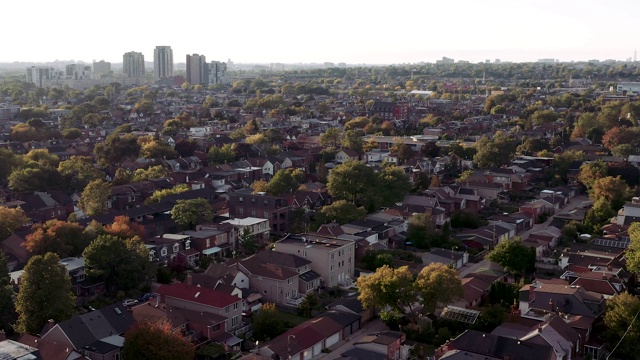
372 326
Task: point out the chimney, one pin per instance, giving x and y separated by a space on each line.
539 328
551 305
189 279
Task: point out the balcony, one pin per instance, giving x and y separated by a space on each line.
243 330
295 300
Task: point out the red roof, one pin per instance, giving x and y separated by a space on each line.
200 295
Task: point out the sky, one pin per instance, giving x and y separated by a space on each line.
354 32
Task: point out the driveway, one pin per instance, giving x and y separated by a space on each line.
574 203
372 326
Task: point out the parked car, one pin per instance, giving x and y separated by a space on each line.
148 296
129 302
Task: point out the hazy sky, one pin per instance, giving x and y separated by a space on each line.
287 31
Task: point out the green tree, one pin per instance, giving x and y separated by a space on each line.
79 170
189 213
11 220
248 241
36 178
622 325
544 117
158 341
438 285
421 232
600 213
8 162
392 185
331 138
158 195
494 152
350 181
93 200
42 157
267 324
633 252
7 307
221 155
285 181
120 262
515 257
340 211
352 139
45 293
150 173
116 149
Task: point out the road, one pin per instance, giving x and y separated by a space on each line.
371 327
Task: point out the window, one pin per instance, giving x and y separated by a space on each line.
80 277
187 244
349 260
163 252
235 306
241 211
331 268
208 242
287 295
240 199
226 310
176 248
152 255
253 213
332 256
290 281
234 321
265 215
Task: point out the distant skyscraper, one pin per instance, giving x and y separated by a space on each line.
163 62
218 73
197 70
36 74
78 72
101 68
133 64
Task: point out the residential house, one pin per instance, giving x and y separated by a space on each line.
332 258
256 227
387 343
629 213
455 259
477 345
304 341
567 299
345 155
97 334
164 247
210 240
351 304
201 299
309 280
274 283
273 208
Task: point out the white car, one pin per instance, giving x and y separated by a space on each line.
129 302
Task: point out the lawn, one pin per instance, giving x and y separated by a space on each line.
291 320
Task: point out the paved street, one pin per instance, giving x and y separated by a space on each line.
372 326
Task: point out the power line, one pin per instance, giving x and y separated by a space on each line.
625 334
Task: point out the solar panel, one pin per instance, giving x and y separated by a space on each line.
619 244
460 314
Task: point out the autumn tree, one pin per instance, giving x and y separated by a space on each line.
622 325
514 256
42 157
259 186
11 219
350 180
93 200
45 293
621 135
124 228
189 213
592 172
391 290
157 149
438 285
60 237
613 189
158 341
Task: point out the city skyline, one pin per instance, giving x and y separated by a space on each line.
288 32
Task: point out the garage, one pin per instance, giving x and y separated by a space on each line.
333 339
317 349
307 355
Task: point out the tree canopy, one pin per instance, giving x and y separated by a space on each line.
514 256
45 293
189 213
158 341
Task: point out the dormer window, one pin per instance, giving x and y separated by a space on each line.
176 248
208 242
152 255
187 244
163 252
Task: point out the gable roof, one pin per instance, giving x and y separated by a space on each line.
199 295
501 347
